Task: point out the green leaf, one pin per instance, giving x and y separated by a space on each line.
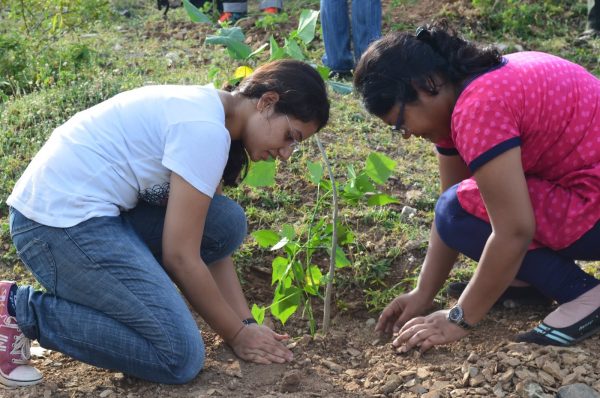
288 231
279 266
285 302
261 174
313 280
276 51
293 50
379 167
323 71
258 313
194 13
266 237
315 170
381 199
363 184
233 39
307 25
341 260
339 87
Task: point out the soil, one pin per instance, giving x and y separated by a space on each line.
351 361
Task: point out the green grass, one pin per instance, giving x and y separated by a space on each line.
48 76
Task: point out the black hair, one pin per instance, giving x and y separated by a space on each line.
302 95
386 72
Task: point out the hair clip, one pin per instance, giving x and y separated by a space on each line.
423 33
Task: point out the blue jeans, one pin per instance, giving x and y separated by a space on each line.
108 300
364 27
554 273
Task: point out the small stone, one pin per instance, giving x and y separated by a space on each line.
408 212
291 382
545 378
355 373
332 366
473 358
498 391
552 368
578 390
234 369
353 352
506 376
391 384
418 389
105 393
432 394
423 373
476 380
370 322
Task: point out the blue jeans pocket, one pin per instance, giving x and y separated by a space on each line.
38 258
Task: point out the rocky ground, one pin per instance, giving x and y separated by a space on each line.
353 362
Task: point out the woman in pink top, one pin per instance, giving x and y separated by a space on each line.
518 140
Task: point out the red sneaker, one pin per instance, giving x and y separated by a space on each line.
15 370
231 17
271 10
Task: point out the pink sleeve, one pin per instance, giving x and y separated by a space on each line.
483 123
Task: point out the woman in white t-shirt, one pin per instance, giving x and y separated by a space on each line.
123 200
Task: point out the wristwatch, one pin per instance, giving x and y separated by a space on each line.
456 315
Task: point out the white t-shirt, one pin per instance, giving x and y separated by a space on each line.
105 159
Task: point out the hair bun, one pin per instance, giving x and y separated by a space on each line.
423 34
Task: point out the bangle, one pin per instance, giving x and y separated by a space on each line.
249 321
237 333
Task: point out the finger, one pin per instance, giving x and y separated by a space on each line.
409 332
277 349
410 323
257 358
281 337
383 323
432 341
420 337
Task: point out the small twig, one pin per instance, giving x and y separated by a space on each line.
330 275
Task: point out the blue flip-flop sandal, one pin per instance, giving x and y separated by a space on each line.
547 335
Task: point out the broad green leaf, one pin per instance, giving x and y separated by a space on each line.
233 39
194 13
266 237
363 184
282 242
307 25
339 87
288 231
341 260
278 266
381 199
313 280
276 51
379 167
258 313
285 302
293 50
315 170
261 174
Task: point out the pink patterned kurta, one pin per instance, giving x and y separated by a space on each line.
549 107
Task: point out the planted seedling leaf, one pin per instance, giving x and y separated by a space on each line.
315 170
194 13
266 237
261 174
307 25
381 199
258 313
379 167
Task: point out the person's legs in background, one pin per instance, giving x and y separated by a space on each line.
271 6
335 23
366 24
233 10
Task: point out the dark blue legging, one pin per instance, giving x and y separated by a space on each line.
554 273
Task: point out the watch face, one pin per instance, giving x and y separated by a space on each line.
455 314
